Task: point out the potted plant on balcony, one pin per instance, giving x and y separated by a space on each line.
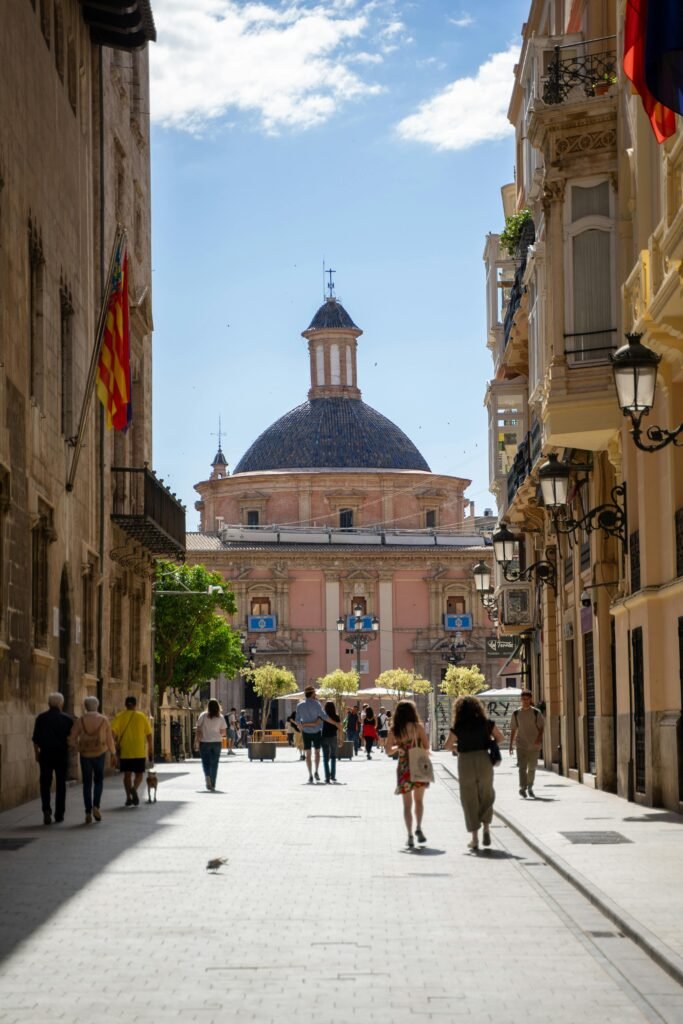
512 232
604 83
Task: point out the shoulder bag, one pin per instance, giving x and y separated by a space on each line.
493 748
420 763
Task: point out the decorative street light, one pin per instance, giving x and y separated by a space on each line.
506 551
482 585
635 376
456 650
610 517
358 637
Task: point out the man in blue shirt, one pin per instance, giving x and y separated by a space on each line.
310 716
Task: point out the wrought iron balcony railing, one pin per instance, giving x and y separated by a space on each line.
528 453
147 511
595 72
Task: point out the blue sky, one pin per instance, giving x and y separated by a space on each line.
369 135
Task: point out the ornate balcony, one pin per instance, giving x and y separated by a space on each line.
148 512
594 73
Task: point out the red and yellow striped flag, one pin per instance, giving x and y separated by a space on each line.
113 369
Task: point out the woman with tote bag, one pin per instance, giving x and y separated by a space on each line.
414 771
472 734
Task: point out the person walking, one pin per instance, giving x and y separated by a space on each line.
291 728
406 732
526 727
310 717
176 739
50 738
133 738
471 735
92 737
353 728
232 731
208 737
244 732
369 732
331 736
382 728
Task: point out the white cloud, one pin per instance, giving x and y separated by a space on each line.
287 64
464 21
468 111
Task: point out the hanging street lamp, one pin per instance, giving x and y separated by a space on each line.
506 551
635 377
610 517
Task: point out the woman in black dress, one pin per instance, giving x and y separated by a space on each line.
331 735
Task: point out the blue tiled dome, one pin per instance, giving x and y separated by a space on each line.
332 433
331 314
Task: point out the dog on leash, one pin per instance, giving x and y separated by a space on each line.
152 783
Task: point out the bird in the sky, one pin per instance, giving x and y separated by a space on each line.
215 864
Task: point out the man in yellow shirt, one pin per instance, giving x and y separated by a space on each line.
133 736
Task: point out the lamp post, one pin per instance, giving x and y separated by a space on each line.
610 517
482 585
635 377
358 637
456 650
506 551
249 652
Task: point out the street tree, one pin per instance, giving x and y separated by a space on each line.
462 680
402 682
271 681
193 641
337 685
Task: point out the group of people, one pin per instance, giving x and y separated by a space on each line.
127 739
361 725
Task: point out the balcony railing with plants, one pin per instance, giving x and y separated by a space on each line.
147 511
528 453
521 236
593 70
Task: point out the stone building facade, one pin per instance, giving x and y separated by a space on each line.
333 508
599 256
76 543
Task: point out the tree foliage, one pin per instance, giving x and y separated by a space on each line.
403 681
271 681
462 680
192 641
336 685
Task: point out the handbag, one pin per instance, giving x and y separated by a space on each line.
494 751
420 764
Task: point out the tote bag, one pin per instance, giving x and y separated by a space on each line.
420 765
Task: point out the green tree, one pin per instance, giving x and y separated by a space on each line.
192 641
462 680
335 685
271 681
403 681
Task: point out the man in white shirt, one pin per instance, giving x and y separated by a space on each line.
310 716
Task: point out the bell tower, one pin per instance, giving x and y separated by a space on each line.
332 343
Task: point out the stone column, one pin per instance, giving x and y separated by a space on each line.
331 631
386 624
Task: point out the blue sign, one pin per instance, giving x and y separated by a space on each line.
365 624
457 622
261 623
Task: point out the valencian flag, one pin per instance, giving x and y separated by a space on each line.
664 52
113 369
637 50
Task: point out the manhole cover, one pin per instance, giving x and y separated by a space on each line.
13 844
595 838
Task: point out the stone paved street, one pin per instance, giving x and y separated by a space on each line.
320 912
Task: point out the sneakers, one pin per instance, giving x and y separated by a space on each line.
486 837
522 792
88 819
531 792
96 814
410 842
420 836
207 780
134 797
316 776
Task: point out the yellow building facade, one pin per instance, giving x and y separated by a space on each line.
599 255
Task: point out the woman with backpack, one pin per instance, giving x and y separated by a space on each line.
92 737
405 732
471 735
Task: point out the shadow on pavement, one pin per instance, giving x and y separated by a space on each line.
423 851
671 816
45 874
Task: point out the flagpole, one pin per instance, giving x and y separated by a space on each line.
94 361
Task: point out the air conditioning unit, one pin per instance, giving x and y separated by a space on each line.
516 604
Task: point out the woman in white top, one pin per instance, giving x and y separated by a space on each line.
209 737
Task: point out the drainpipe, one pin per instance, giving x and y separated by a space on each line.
100 415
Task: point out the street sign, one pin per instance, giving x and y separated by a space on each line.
262 623
502 646
457 622
365 627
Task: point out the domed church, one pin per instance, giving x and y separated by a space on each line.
333 508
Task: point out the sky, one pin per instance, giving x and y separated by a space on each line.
369 136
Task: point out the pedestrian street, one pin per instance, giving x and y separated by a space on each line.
320 912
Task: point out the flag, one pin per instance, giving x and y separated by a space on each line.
664 52
662 119
113 369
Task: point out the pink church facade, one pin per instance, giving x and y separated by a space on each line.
334 508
